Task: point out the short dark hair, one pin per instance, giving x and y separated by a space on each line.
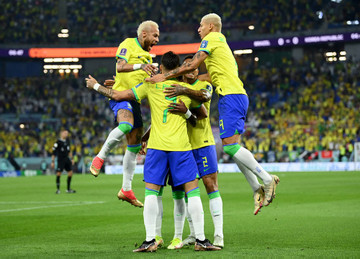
188 56
170 60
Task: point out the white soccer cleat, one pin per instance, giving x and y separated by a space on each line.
190 240
270 190
218 241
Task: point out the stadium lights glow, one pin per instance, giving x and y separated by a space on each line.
330 54
256 59
320 14
67 71
243 51
63 35
336 1
342 58
355 22
64 31
76 70
53 60
22 126
251 27
62 66
343 53
45 71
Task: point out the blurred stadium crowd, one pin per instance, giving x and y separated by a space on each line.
296 110
92 23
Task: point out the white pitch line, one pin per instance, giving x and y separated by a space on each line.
39 202
53 206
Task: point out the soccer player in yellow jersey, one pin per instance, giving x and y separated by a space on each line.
168 148
133 65
233 104
203 145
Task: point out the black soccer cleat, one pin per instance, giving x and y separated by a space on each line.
205 245
147 246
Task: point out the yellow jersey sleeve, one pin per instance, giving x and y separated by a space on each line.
221 65
201 135
131 51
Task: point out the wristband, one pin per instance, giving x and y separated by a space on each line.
96 86
188 114
136 66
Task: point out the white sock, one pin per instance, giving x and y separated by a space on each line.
179 217
197 215
159 216
191 225
246 158
216 210
250 177
112 140
129 164
150 213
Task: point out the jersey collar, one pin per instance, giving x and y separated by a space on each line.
138 43
195 82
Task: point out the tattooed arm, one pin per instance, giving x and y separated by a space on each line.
185 68
123 66
199 95
91 83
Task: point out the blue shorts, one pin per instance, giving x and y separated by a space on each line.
232 114
182 167
206 160
132 106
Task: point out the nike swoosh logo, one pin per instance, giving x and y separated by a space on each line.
222 133
206 169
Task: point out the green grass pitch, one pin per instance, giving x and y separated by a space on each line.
315 214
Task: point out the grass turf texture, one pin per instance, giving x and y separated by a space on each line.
315 214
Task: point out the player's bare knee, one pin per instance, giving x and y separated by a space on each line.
125 115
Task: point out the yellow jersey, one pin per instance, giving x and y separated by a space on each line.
131 51
168 130
221 65
201 135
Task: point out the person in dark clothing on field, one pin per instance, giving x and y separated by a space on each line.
61 150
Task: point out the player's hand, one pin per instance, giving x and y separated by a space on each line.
179 107
150 69
143 148
174 91
90 82
156 79
109 82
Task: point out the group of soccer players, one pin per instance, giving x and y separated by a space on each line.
179 147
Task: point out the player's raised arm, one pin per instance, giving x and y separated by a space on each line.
185 68
91 83
123 66
198 95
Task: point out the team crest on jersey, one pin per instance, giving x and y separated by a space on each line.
209 88
123 52
204 44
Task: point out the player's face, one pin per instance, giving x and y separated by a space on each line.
204 29
151 38
193 74
64 134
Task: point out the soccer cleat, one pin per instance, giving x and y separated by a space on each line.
205 245
190 240
218 241
129 196
176 243
270 190
70 191
159 241
147 246
259 196
96 165
57 191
